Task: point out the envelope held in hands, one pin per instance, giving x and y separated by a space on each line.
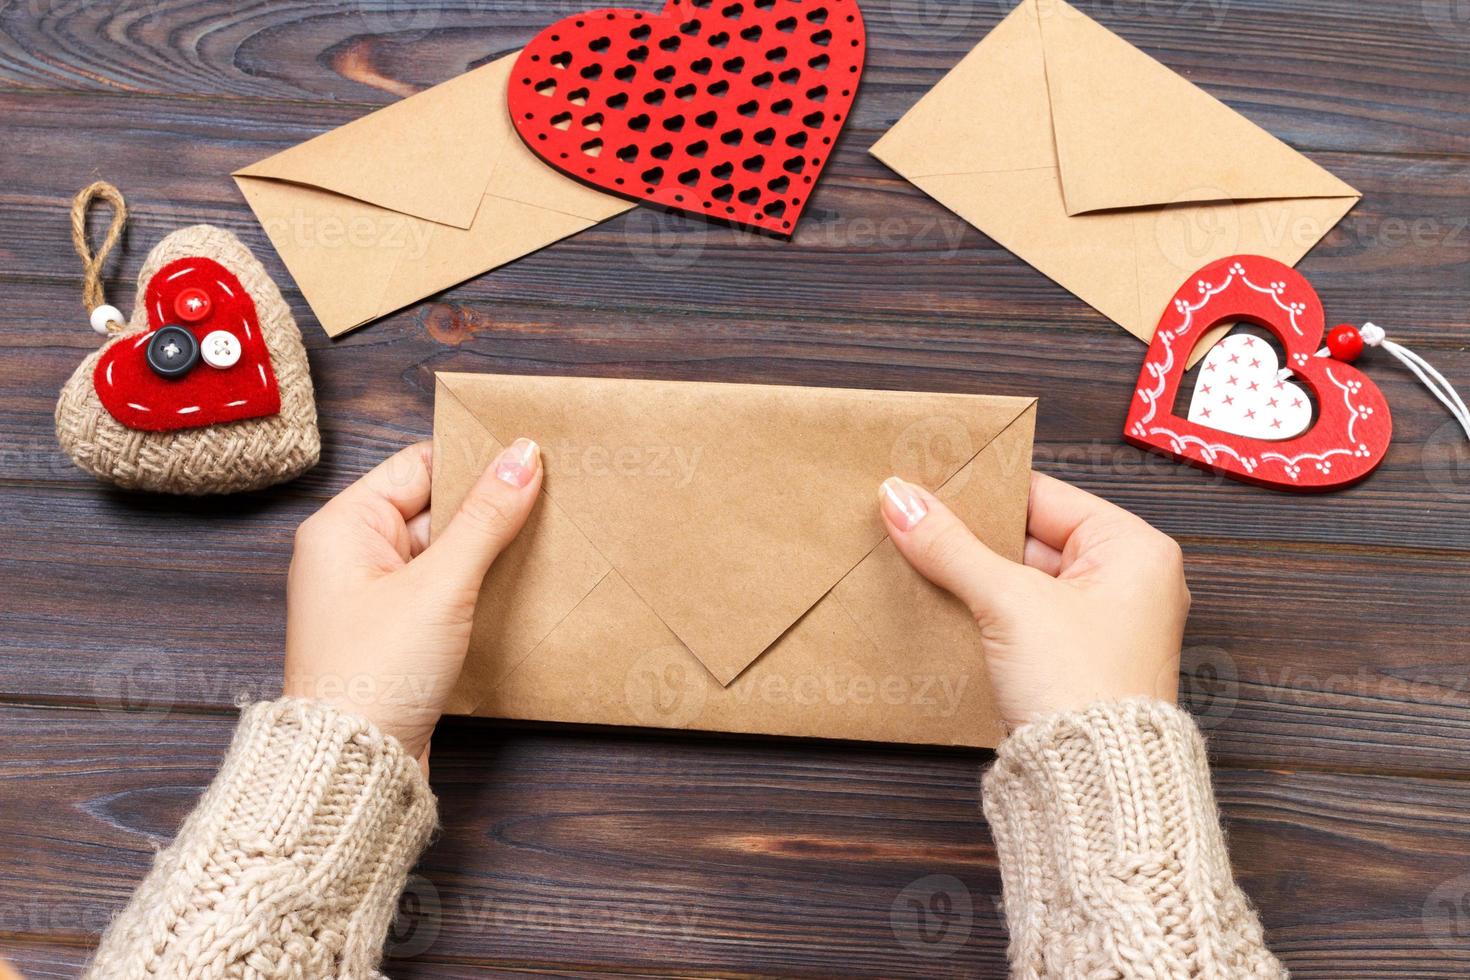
711 556
1102 168
412 199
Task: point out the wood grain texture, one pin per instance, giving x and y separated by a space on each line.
1269 692
655 856
1396 67
1327 658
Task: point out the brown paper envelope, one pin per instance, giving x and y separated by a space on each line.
1102 168
412 199
710 556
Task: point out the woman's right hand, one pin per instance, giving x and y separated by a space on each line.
1095 613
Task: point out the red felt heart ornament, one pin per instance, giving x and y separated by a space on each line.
728 108
1353 425
140 399
205 388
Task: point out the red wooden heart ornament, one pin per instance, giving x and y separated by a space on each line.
1353 425
728 108
203 297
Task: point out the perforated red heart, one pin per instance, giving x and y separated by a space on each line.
728 108
140 399
1353 426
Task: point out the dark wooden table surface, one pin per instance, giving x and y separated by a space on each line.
1327 654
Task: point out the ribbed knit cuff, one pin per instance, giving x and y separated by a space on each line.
1111 852
292 863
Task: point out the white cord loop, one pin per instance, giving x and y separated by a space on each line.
1439 386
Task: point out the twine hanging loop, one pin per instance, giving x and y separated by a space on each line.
105 319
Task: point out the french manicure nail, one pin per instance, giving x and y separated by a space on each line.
516 464
903 506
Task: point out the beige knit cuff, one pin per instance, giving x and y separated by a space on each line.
342 802
292 862
1110 848
1104 790
326 787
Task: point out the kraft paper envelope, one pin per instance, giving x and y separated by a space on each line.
1104 169
412 199
710 556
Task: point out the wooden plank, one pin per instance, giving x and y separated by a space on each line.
1318 78
375 392
871 248
44 960
846 317
1279 656
769 858
1281 659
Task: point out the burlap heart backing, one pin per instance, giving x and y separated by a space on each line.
225 458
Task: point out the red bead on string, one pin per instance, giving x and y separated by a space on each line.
1344 342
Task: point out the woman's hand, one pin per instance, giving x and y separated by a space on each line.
377 620
1096 612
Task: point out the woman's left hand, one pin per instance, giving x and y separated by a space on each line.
377 620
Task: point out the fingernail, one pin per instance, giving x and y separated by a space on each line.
517 463
903 506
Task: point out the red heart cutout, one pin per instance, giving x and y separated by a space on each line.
728 108
140 399
1353 426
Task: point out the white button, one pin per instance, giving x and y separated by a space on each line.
221 349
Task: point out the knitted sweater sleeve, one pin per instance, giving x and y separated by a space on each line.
290 865
1112 859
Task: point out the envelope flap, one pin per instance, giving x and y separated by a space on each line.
430 155
1130 132
989 114
730 509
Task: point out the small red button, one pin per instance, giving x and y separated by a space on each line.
192 305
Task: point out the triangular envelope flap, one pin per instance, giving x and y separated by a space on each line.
730 509
1022 210
342 281
1130 132
429 155
999 87
501 640
522 177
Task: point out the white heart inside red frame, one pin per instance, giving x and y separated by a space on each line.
1240 390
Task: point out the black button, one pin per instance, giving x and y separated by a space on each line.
173 352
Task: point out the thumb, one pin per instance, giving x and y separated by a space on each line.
942 549
492 514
